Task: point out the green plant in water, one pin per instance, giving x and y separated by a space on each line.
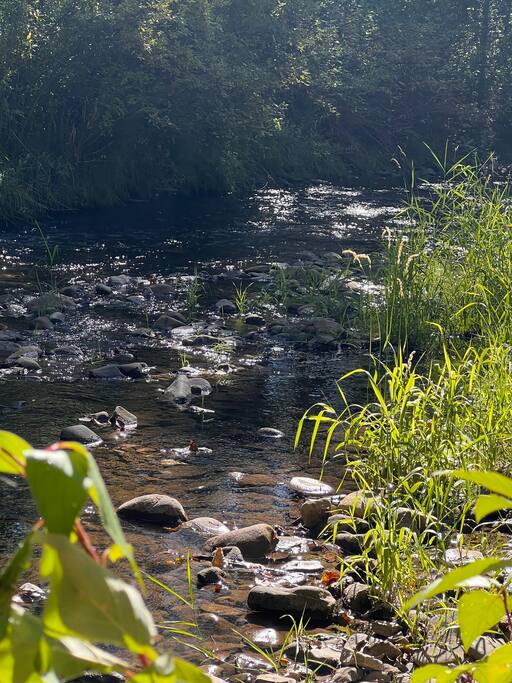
48 268
240 298
88 606
193 292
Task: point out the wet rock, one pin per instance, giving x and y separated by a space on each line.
29 593
41 323
307 486
106 372
73 291
26 363
254 319
162 290
226 307
347 674
136 299
80 433
357 596
134 370
57 318
49 303
315 603
123 419
209 575
166 322
119 280
256 480
103 290
253 541
303 566
273 678
456 557
258 268
232 554
199 386
8 347
100 418
143 332
67 350
202 340
356 503
154 507
207 526
344 522
314 512
350 544
270 433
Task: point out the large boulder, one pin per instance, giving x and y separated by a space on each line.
80 433
313 602
154 507
253 541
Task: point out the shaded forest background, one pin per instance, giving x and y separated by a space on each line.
103 100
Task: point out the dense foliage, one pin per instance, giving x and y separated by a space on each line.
107 99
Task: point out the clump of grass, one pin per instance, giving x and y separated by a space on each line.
241 297
451 263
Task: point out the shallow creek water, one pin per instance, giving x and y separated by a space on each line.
271 386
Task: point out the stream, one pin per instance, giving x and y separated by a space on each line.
258 380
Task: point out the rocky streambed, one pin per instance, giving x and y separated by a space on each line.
183 348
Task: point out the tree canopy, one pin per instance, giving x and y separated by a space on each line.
107 99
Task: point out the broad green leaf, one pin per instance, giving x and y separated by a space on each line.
488 504
12 453
71 657
438 673
169 669
478 611
9 577
99 494
497 668
110 610
59 482
25 633
495 482
457 578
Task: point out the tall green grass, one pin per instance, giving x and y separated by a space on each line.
450 263
444 400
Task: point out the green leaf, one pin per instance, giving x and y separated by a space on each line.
488 504
457 578
478 611
25 633
495 482
71 657
438 673
58 481
99 494
12 453
9 577
498 667
169 669
110 610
